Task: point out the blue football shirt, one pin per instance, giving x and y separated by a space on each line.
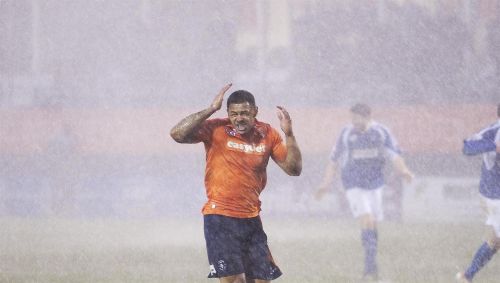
485 143
362 155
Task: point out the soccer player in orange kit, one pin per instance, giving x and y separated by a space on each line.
238 149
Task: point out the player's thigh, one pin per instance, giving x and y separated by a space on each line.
356 202
241 278
257 281
493 215
224 248
258 261
238 278
363 201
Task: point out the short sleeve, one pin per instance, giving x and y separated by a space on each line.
278 146
390 143
204 132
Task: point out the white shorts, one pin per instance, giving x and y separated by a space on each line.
363 201
493 214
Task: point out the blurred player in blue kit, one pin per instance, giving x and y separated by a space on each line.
486 143
361 152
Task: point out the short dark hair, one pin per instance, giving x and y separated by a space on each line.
361 109
241 96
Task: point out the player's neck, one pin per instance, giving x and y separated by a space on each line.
248 135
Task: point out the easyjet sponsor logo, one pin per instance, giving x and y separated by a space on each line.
247 148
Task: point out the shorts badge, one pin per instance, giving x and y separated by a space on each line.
221 265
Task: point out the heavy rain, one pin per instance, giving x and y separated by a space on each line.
94 189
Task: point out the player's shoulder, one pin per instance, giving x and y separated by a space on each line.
215 126
265 130
347 129
380 128
264 127
345 133
260 123
491 128
217 122
378 125
495 126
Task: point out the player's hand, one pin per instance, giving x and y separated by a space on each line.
285 121
320 193
407 176
217 103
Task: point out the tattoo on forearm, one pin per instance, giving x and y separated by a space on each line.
186 126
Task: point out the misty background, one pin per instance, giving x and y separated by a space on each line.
89 91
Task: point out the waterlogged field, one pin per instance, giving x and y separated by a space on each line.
173 250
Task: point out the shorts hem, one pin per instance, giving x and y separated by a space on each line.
224 275
265 278
278 275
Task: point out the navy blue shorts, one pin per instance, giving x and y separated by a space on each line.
238 245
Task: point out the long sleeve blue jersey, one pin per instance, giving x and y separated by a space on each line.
485 143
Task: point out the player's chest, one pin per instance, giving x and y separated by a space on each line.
365 145
371 139
253 152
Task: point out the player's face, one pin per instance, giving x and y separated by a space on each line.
359 122
242 117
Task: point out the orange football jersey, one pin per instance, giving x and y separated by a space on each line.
235 173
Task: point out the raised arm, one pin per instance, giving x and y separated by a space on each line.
292 165
184 131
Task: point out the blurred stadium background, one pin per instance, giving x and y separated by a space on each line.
90 89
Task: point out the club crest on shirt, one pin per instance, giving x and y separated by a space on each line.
231 131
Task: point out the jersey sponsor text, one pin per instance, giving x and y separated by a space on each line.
247 148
